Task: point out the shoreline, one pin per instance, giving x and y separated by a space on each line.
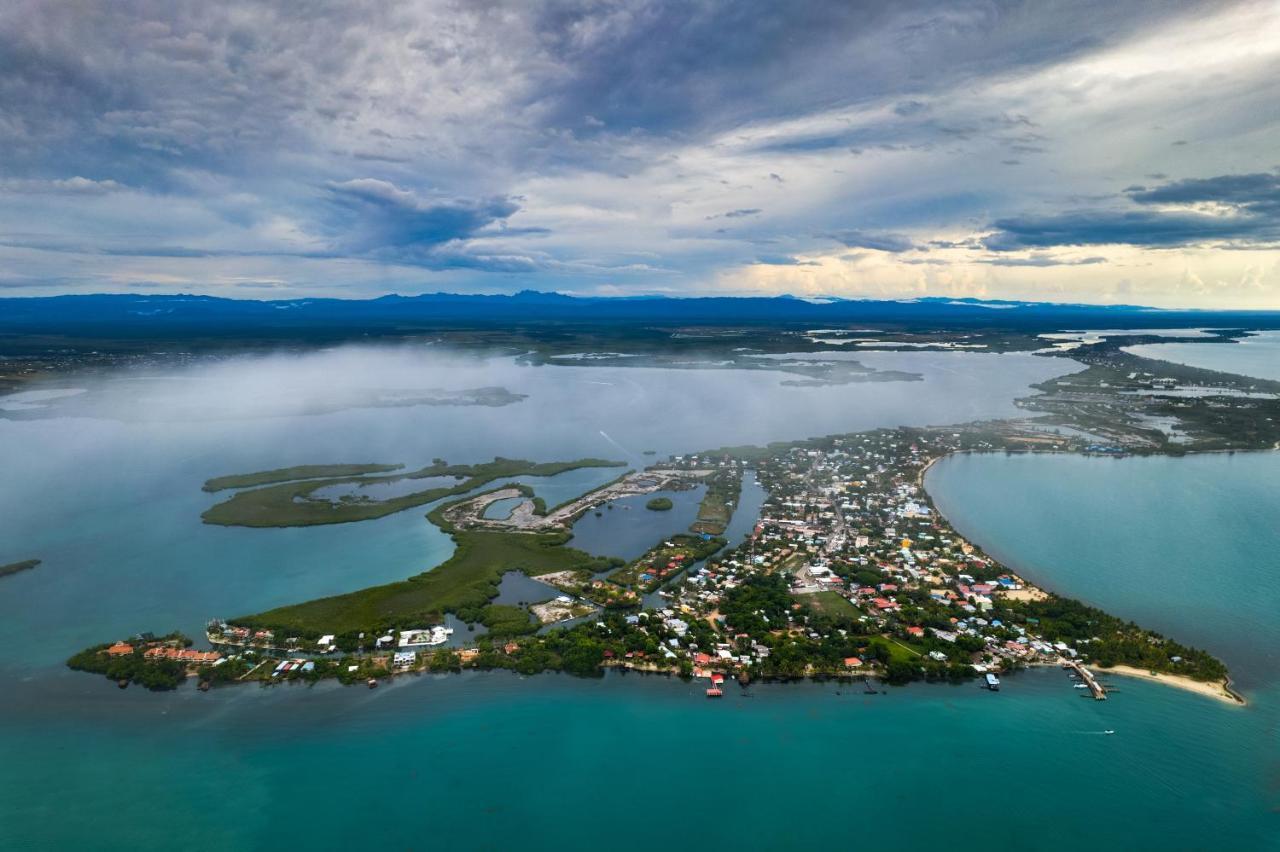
1219 690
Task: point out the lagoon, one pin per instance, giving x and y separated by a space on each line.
1256 355
112 505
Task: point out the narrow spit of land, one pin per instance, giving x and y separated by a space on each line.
850 570
18 567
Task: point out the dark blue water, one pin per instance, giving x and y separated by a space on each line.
629 529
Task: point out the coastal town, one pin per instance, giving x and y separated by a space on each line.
850 572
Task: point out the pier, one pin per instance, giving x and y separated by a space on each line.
1099 692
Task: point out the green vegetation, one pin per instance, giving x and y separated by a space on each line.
1109 641
292 474
723 490
833 604
133 667
18 567
505 620
659 504
463 584
290 504
661 563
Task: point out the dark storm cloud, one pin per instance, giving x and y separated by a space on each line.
391 217
1147 228
880 242
1250 216
399 133
1257 193
727 60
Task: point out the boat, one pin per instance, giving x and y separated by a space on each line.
1108 733
993 682
1082 686
373 682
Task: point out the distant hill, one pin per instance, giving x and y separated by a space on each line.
155 316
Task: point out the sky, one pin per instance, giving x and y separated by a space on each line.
1062 151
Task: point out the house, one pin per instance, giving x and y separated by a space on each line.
852 662
120 649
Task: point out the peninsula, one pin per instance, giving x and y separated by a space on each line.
850 571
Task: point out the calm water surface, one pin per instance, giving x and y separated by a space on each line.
1257 355
111 503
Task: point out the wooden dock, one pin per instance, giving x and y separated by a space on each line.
1099 692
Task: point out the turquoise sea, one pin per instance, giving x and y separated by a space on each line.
111 502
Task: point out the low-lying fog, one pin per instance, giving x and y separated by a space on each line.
411 404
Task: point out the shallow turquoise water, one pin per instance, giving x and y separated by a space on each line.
497 762
1188 546
502 509
490 761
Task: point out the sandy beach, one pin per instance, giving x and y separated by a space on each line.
1212 689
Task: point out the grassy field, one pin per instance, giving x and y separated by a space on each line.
464 584
293 474
716 509
288 504
898 651
832 604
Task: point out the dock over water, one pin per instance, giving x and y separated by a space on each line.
1099 692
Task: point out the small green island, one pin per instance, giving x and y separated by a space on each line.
659 504
18 567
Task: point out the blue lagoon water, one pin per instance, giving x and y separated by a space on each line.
110 499
1257 355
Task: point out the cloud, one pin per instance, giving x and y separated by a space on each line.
1148 228
384 216
61 186
1042 261
1255 193
879 242
783 260
440 145
740 213
1248 214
